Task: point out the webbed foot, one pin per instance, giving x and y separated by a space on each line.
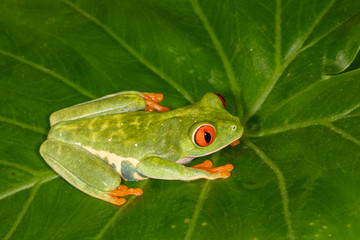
152 102
121 191
222 171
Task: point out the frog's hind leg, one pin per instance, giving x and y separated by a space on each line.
84 171
152 102
129 101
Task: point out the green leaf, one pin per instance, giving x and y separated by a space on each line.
285 67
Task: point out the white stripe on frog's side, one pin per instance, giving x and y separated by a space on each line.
184 160
138 177
115 160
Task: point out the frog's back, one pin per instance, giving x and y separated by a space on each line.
129 134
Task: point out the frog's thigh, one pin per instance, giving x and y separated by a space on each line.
80 168
110 104
159 168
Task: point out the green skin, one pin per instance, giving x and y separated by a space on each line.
94 143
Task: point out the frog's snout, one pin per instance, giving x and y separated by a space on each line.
236 130
239 131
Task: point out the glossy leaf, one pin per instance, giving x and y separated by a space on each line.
285 67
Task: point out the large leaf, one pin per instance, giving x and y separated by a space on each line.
281 65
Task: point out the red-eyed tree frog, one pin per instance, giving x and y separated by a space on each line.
96 144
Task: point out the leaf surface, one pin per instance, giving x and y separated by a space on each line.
286 68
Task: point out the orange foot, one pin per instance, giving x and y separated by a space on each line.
123 190
234 143
152 102
223 171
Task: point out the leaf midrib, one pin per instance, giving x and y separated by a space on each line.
42 132
224 58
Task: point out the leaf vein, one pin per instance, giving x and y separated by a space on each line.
220 50
198 208
23 211
109 78
49 72
298 49
278 38
23 125
200 203
342 133
305 124
118 213
27 205
296 94
132 51
281 182
327 33
309 187
18 166
289 58
25 185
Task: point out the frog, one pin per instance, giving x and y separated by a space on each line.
129 136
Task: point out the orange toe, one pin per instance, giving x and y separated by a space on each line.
225 174
136 191
205 164
123 190
118 201
156 97
152 102
225 168
219 172
152 105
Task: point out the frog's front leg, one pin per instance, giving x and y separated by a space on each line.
128 101
155 167
207 166
86 171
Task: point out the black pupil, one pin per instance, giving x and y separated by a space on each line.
207 137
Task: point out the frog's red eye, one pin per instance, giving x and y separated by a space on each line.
204 135
221 98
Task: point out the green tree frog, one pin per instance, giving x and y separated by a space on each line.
96 144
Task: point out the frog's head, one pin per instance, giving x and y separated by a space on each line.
210 127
